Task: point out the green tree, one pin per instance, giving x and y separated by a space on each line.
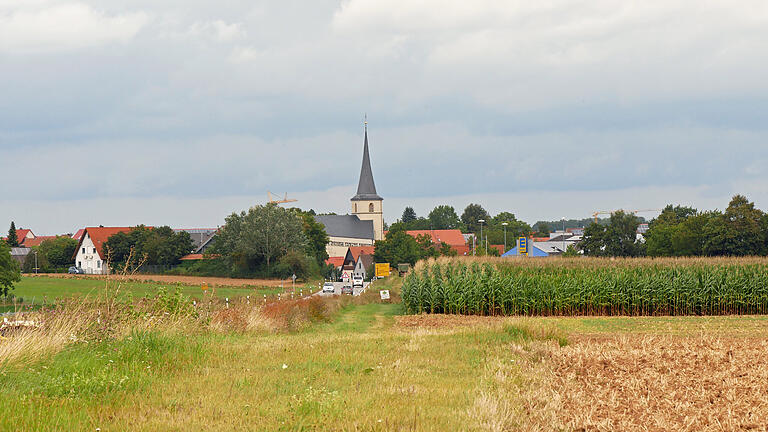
444 217
13 239
409 215
473 213
543 229
59 251
152 246
9 270
263 234
618 238
397 248
317 238
737 231
571 252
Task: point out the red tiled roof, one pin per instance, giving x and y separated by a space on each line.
79 234
37 240
451 237
357 250
539 239
335 261
195 257
21 235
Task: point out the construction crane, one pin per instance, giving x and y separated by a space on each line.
285 199
594 215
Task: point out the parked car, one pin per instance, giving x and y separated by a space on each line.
357 281
328 287
75 270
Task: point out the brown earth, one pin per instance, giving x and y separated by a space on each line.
444 321
186 280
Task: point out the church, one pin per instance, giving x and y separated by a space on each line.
366 223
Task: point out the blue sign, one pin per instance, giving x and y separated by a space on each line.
523 248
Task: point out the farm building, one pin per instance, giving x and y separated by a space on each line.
19 254
452 237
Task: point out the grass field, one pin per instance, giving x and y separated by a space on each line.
371 368
38 289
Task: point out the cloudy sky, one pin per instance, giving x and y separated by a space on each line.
179 112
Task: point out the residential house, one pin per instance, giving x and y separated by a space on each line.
90 255
352 260
23 235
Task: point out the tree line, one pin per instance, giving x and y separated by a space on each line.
740 230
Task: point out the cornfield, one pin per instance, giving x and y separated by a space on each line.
581 286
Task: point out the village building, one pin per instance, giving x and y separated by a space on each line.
366 223
90 255
22 235
354 263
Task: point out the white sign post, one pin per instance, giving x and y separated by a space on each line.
384 294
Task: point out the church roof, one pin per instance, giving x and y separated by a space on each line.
366 188
349 226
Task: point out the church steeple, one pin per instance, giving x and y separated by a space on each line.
366 188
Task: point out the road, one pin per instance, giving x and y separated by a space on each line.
337 289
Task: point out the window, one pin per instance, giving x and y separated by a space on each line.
94 250
83 250
370 208
355 207
98 264
79 264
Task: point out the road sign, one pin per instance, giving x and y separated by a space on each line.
523 246
204 287
384 294
382 270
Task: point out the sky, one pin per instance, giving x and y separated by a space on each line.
118 113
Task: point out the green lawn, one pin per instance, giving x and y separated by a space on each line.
39 289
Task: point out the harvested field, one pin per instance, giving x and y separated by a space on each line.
186 280
652 382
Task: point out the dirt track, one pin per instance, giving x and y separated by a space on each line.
186 280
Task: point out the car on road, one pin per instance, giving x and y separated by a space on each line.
357 281
75 270
328 287
346 289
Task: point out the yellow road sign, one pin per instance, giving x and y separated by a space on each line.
382 270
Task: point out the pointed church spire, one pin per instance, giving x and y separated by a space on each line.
366 188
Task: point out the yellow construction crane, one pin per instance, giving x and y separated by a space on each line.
594 215
285 199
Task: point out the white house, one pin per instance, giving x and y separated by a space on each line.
89 255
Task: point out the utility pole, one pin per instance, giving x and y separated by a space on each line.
505 236
563 234
481 235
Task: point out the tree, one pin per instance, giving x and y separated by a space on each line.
261 235
737 231
543 229
9 270
13 239
153 246
59 251
662 229
444 217
571 252
397 248
409 215
36 260
618 238
317 238
473 213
